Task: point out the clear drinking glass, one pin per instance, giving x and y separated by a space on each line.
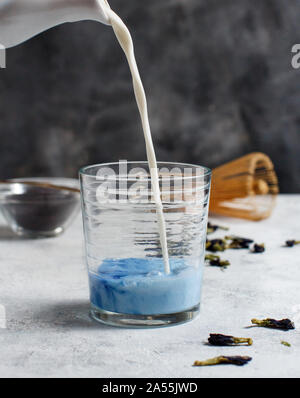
127 279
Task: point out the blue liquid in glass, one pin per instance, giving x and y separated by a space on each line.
139 286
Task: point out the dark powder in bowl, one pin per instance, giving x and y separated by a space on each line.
39 209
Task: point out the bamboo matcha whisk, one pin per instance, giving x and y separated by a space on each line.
244 188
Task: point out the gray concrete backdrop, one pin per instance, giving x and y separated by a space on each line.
217 73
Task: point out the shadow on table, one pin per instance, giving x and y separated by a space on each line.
72 315
7 234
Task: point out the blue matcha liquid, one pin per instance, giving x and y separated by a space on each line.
141 287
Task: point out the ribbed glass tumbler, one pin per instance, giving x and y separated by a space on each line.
129 284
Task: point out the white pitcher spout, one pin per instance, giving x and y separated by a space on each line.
22 19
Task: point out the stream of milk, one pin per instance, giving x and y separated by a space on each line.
125 40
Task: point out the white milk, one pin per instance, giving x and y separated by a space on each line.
125 40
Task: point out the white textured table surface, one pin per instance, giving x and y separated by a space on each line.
44 290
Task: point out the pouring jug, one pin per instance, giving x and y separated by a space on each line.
22 19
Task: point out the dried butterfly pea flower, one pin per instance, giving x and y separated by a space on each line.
215 261
238 245
285 343
224 340
258 248
283 324
216 245
238 239
234 360
212 228
291 243
238 242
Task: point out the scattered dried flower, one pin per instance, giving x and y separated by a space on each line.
212 228
285 343
216 245
283 324
224 340
291 243
258 248
238 242
215 261
234 360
